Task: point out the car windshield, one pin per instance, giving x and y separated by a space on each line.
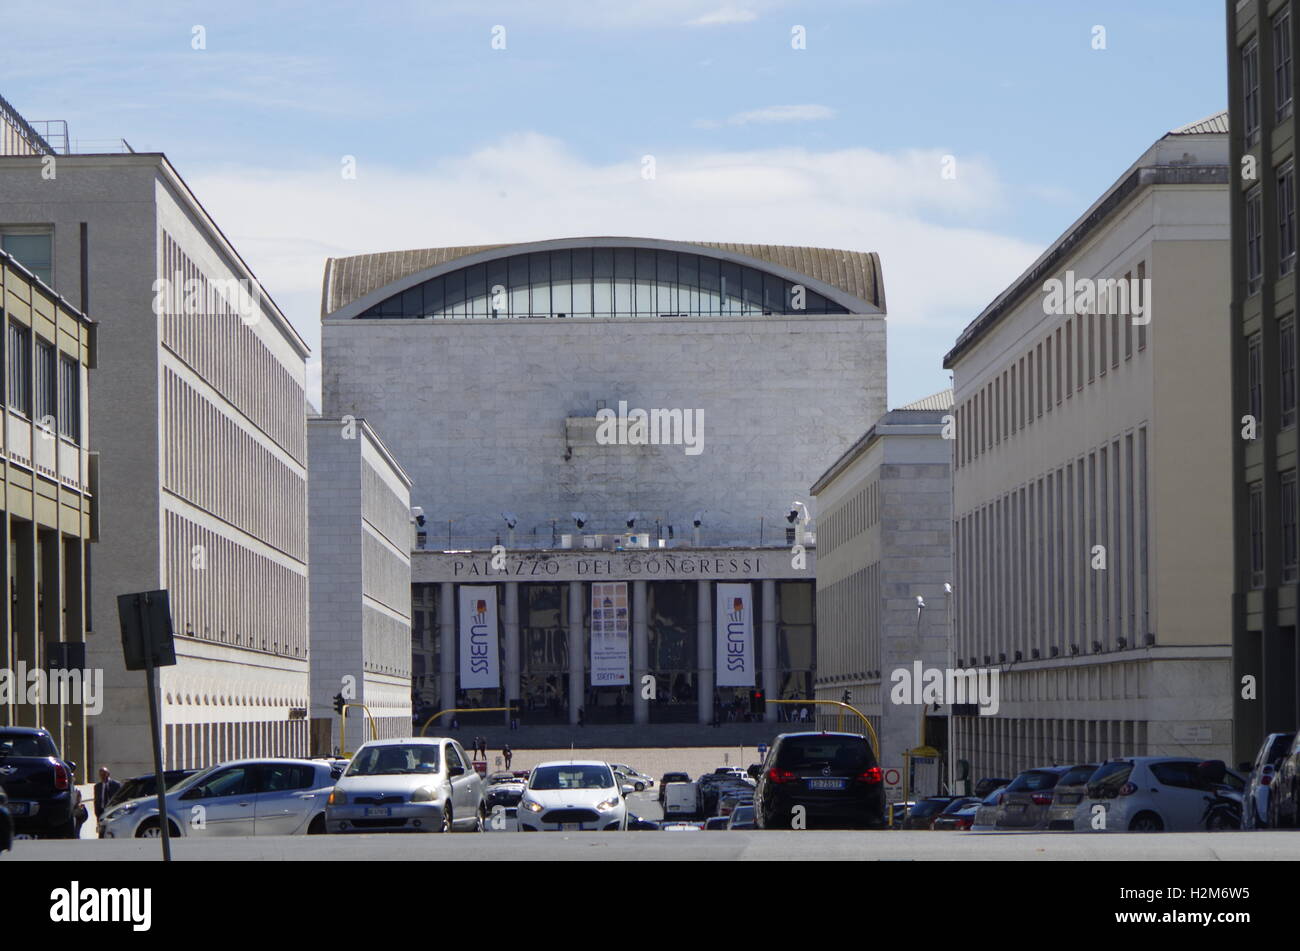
1033 780
843 753
394 760
546 778
26 744
1106 782
1078 775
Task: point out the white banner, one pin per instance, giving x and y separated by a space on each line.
478 637
734 622
610 653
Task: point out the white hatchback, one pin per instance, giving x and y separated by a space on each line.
1145 794
573 796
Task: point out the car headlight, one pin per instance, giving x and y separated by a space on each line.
338 797
532 805
424 794
121 812
608 804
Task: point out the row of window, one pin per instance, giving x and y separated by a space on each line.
1003 746
228 594
1048 373
53 390
215 463
386 575
848 625
207 332
1284 178
856 514
387 647
1061 561
198 745
1286 373
1286 528
603 282
1250 84
384 509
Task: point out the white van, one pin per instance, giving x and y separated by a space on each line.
681 799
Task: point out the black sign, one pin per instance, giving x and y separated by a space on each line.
146 621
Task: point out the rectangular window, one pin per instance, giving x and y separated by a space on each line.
1286 360
1078 351
45 383
1289 559
20 369
1282 64
1128 322
1250 92
1102 321
1038 384
70 399
1146 306
1058 365
1255 377
34 251
1257 535
1069 358
1286 218
1092 347
1254 240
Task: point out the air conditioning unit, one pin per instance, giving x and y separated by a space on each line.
636 540
593 541
566 541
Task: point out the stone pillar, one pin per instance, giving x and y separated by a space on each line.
447 651
511 679
704 650
577 652
640 654
771 674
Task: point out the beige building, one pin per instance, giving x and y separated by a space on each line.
1092 485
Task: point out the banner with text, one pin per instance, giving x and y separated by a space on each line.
478 637
734 618
610 653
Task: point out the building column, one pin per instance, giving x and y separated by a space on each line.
771 674
447 647
74 614
577 652
24 619
640 654
511 681
704 651
50 628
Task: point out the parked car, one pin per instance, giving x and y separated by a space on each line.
923 814
732 800
1149 794
504 790
715 823
681 826
637 824
6 823
243 797
137 787
417 784
1284 788
1027 801
638 780
41 786
949 820
573 796
680 799
742 817
898 812
1069 793
986 814
833 776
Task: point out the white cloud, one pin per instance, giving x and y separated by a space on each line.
723 16
805 113
941 267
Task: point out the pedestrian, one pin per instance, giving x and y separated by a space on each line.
581 716
455 722
507 754
105 789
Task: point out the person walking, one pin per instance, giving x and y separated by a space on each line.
105 789
507 754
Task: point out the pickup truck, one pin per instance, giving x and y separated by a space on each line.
39 783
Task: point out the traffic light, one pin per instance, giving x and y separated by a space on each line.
338 703
846 698
756 701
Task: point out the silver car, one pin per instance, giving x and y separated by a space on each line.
1070 791
1027 802
421 784
243 797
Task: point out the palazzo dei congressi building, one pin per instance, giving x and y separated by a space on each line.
635 422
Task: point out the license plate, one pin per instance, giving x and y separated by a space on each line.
18 808
825 784
570 826
1015 807
379 811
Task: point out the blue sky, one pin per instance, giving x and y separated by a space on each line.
837 145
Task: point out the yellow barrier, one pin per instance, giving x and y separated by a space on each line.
463 710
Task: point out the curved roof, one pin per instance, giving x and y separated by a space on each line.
851 278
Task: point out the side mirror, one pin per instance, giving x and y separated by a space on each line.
455 770
754 771
627 790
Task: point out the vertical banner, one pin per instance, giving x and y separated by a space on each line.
734 619
478 637
610 653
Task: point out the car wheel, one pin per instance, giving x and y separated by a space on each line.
317 826
1146 822
639 787
152 830
480 820
448 823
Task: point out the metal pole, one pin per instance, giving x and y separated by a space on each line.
155 734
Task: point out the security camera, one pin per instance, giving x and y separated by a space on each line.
947 588
579 518
697 519
511 518
794 514
419 515
631 519
920 602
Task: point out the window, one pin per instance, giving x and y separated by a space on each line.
70 398
1128 321
1286 356
1256 535
1255 377
45 384
20 369
1250 92
1290 563
1069 359
34 251
1282 64
1146 306
1254 240
1286 219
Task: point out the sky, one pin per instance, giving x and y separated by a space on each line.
829 124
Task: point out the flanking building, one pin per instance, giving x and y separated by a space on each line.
884 539
49 502
201 394
635 422
1092 479
361 541
1262 93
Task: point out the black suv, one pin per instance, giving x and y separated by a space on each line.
833 776
43 796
